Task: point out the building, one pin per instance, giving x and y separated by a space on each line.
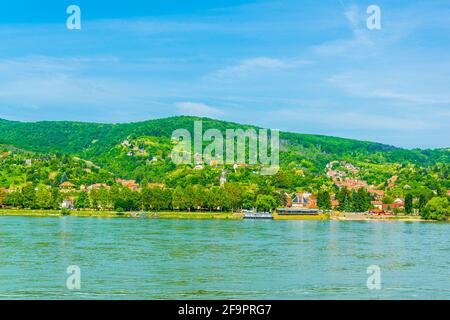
378 194
131 184
223 178
98 186
68 203
304 200
398 203
66 187
336 173
377 205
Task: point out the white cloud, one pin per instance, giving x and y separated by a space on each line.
197 109
256 65
396 86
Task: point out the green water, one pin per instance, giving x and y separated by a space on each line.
217 259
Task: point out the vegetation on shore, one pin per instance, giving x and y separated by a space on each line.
43 164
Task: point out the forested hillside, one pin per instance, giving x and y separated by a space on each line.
50 153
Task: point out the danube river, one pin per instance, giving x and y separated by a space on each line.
126 258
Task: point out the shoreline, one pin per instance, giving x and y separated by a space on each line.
205 215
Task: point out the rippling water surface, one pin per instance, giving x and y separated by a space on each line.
217 259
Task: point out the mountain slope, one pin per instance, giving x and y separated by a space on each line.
96 138
141 151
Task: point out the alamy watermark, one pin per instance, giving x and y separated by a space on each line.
374 20
374 280
73 281
238 146
74 20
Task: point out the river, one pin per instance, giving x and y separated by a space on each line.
126 258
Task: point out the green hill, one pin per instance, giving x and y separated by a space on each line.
82 138
149 160
42 163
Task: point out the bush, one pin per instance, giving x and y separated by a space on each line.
437 208
65 212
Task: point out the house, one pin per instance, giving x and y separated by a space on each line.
397 204
5 154
98 186
336 173
28 162
330 164
213 163
377 204
131 184
376 211
66 186
313 202
304 200
377 194
68 203
448 193
126 143
391 181
351 184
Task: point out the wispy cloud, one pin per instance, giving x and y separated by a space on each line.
397 87
255 66
197 109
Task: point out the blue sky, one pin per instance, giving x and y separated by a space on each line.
302 66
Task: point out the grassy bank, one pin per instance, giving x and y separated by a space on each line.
301 217
114 214
357 216
342 216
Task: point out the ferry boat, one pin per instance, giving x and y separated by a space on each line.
257 215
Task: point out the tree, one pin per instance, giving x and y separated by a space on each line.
14 199
437 208
234 193
178 199
127 200
2 196
409 203
387 199
29 197
423 200
344 197
82 202
156 198
265 202
248 199
94 197
56 198
43 198
324 200
198 197
360 200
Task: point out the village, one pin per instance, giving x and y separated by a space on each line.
344 175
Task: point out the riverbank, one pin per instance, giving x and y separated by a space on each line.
115 214
361 216
341 216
